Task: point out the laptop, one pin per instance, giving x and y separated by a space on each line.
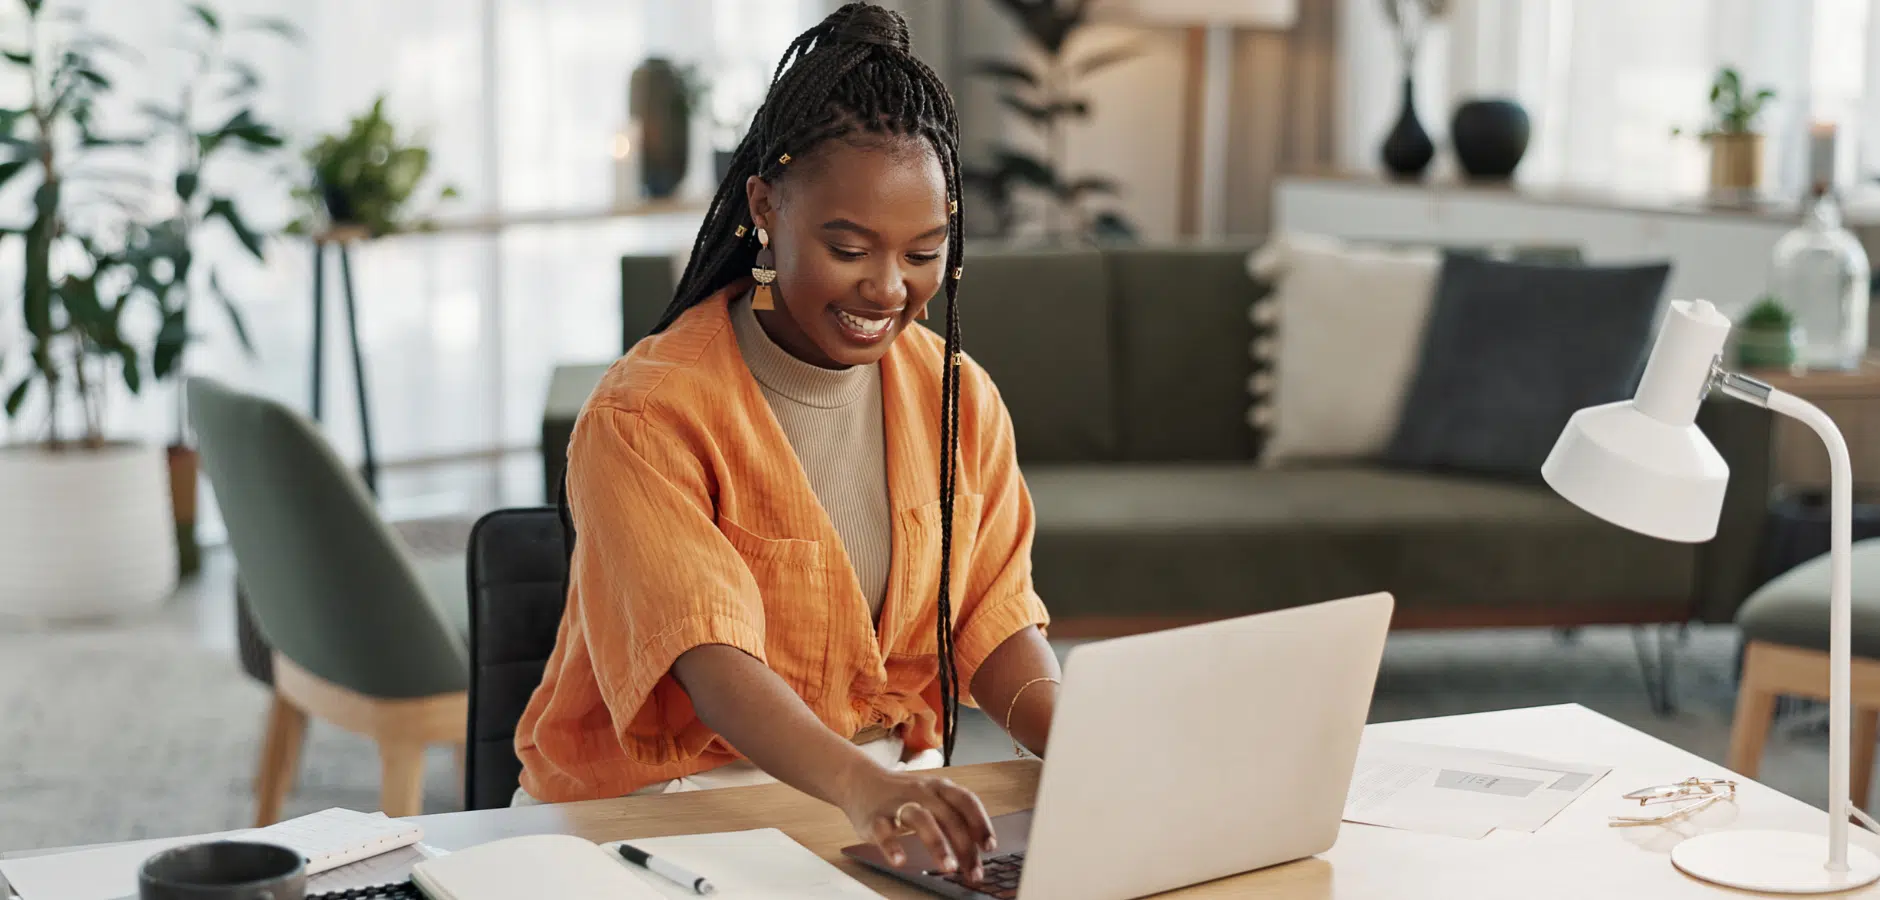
1186 755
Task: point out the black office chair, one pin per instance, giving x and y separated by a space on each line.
517 567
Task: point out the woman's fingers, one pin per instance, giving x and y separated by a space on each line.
884 835
919 818
977 820
959 835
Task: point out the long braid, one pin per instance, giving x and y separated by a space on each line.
852 73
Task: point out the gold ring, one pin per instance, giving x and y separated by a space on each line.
903 808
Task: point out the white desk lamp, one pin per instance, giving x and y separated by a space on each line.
1643 464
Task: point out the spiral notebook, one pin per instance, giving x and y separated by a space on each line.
327 840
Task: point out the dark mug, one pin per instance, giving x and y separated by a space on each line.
224 870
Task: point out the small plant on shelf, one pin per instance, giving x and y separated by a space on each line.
1766 336
364 178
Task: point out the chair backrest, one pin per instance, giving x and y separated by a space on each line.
517 567
328 583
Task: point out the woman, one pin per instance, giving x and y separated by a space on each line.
803 537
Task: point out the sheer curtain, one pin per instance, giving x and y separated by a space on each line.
518 101
1606 81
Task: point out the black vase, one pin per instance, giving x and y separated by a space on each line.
656 98
1490 137
1408 150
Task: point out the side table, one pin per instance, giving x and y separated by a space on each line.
1852 399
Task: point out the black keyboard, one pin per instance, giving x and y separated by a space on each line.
1001 880
403 890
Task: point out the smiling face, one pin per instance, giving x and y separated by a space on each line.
859 229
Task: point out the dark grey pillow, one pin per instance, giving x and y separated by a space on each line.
1514 349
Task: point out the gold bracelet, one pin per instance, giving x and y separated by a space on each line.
1016 749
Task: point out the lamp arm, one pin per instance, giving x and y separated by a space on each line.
1840 609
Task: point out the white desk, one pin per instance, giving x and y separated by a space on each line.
1574 856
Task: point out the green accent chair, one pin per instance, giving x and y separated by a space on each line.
1785 654
361 636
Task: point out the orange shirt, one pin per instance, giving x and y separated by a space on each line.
697 526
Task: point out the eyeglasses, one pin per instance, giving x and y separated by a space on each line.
1690 795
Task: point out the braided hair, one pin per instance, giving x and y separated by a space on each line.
850 77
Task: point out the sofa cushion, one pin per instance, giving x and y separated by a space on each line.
1039 322
1792 610
1182 334
1512 351
1219 540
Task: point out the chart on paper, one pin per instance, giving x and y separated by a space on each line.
1460 791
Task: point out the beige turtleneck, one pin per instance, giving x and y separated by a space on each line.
832 418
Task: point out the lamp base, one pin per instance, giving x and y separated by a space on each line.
1777 862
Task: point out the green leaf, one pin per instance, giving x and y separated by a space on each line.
172 338
1006 71
285 29
1025 168
234 314
95 78
1089 184
186 184
1104 59
11 168
208 16
18 396
224 208
32 6
24 59
1075 108
164 114
133 374
1038 114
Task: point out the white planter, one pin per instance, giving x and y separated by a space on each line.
85 533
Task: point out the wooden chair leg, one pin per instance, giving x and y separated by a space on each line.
1755 713
280 759
463 776
1860 763
401 777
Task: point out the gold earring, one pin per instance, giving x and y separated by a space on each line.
764 273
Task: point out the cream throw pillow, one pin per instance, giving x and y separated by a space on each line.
1347 327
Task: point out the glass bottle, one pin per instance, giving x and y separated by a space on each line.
1821 274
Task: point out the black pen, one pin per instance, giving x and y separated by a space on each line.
670 871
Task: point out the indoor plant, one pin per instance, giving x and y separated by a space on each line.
85 529
1045 97
1767 336
211 119
1735 144
362 179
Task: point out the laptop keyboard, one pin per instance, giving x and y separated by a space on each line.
1001 879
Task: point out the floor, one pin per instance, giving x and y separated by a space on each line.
147 727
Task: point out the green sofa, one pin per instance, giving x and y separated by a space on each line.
1126 374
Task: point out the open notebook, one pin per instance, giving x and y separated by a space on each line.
742 865
327 840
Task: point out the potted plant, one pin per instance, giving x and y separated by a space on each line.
1767 336
212 119
1735 144
1045 96
363 179
85 529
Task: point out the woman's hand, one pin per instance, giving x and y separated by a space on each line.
947 818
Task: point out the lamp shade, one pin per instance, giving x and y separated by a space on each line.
1639 473
1643 463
